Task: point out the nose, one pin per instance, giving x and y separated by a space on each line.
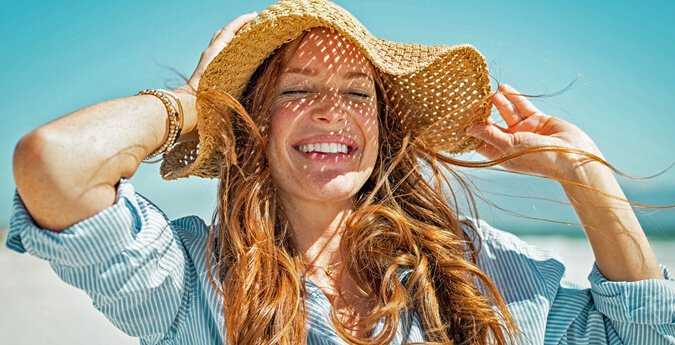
330 108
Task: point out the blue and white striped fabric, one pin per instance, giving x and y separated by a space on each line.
148 275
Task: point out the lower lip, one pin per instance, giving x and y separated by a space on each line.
335 158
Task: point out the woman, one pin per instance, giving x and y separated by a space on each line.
327 230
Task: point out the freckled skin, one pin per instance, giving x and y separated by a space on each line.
326 93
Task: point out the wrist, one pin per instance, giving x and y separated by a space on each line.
585 167
188 98
592 181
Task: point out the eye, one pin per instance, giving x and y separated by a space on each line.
294 92
359 94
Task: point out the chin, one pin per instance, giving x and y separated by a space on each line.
338 189
337 192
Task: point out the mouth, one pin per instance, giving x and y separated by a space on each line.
326 148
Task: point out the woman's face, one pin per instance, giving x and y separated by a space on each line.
323 140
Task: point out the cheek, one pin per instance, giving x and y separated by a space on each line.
278 135
276 121
285 115
369 125
281 121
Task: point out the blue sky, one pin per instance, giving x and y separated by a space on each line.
60 56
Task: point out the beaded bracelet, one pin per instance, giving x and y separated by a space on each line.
175 121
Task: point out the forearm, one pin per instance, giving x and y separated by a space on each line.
621 249
66 170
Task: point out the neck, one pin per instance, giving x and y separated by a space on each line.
317 228
317 231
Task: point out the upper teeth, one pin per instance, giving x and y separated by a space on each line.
324 148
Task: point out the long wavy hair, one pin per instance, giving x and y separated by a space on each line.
409 249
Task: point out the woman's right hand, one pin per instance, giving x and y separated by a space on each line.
220 40
186 93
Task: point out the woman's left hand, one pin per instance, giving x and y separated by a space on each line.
621 249
526 127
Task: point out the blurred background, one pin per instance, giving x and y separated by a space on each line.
58 57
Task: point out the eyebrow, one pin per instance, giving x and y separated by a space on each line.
357 74
300 70
312 72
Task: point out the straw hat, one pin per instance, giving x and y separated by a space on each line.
434 85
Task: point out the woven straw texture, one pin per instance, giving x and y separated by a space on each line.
434 85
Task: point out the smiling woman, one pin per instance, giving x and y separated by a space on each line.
320 90
334 224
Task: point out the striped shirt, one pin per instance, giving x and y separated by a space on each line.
148 275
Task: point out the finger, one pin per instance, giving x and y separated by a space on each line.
488 151
492 135
215 35
522 104
228 31
506 109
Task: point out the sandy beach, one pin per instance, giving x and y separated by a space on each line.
38 308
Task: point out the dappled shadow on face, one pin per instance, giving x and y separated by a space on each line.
325 102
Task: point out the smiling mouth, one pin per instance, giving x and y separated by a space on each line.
326 148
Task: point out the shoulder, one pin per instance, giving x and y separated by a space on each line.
488 238
190 232
191 224
147 210
193 232
518 269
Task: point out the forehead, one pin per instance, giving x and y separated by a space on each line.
327 50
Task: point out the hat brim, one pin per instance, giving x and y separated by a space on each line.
435 85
